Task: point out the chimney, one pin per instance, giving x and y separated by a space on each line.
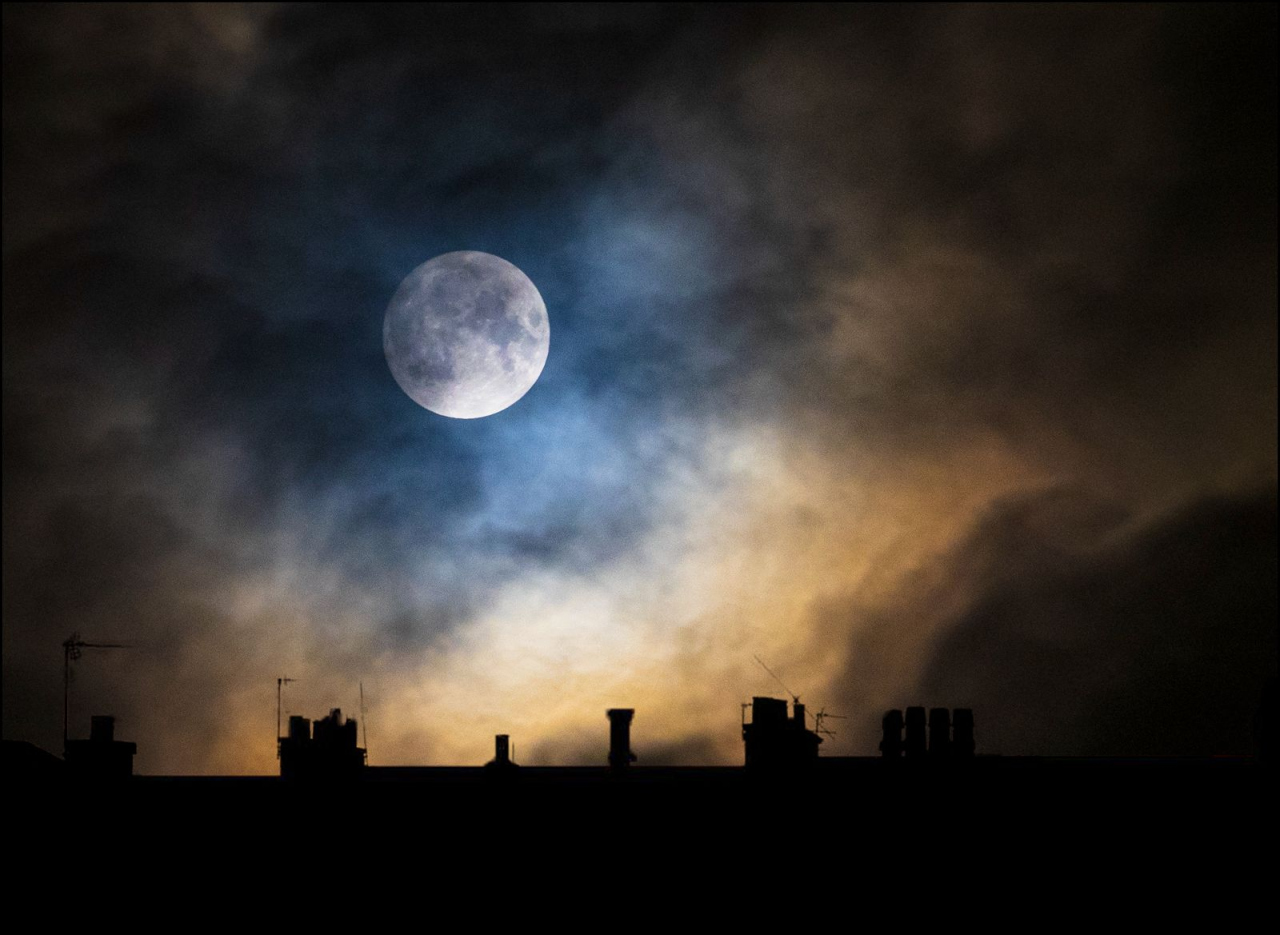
799 714
939 732
101 757
620 755
299 728
915 732
102 728
502 749
891 741
962 745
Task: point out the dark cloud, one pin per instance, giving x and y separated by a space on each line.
1073 629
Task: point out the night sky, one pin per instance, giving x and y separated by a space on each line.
927 353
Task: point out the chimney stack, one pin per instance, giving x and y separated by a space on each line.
939 732
620 755
891 739
915 732
101 757
102 728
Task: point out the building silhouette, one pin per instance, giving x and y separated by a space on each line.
774 741
326 749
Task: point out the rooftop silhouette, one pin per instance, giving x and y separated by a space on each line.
777 744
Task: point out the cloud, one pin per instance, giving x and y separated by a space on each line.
1075 629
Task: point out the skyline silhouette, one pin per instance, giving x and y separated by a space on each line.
777 744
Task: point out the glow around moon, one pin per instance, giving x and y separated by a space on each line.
466 335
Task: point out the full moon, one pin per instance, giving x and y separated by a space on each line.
466 335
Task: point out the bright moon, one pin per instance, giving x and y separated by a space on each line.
466 335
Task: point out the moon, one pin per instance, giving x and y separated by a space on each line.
466 335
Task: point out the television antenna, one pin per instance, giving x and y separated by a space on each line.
364 723
821 716
72 649
795 699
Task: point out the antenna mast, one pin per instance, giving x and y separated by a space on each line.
280 684
72 649
795 699
820 717
364 724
